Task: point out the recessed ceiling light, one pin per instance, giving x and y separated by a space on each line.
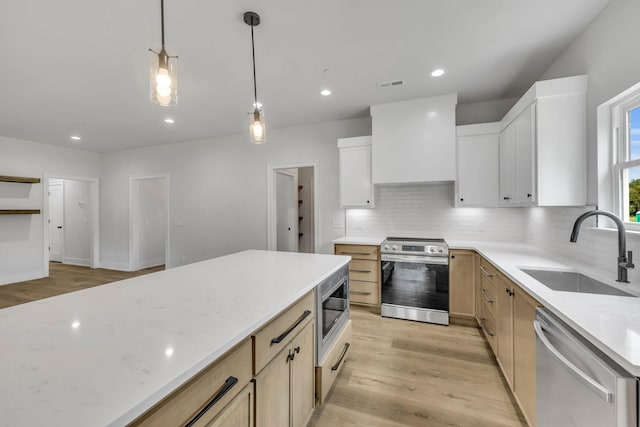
170 121
437 72
325 92
76 138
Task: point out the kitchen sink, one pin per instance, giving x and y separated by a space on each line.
570 281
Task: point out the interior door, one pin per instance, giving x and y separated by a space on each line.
56 222
286 211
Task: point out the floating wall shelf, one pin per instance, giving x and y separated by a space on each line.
20 179
19 211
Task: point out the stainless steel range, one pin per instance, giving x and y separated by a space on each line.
415 279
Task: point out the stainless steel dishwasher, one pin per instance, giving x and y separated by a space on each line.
576 384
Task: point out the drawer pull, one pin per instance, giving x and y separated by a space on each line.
486 297
359 271
344 352
278 339
360 293
356 253
485 272
491 334
228 385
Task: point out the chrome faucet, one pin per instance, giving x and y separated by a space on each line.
625 259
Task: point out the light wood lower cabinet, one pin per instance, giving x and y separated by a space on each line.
506 316
524 353
332 364
285 391
364 273
238 413
461 283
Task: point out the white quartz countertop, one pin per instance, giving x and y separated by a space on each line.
103 356
377 241
611 323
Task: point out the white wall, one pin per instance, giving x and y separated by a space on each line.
483 112
22 237
427 210
218 202
77 222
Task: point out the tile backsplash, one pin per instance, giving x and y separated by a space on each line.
550 228
427 210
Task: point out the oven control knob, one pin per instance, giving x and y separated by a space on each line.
386 247
440 250
394 247
432 249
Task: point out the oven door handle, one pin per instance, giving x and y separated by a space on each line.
416 259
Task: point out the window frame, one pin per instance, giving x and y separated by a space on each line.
621 138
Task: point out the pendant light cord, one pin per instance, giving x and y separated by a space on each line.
253 55
162 20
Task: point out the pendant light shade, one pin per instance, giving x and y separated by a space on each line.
257 125
163 72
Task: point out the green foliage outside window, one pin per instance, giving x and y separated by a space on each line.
634 199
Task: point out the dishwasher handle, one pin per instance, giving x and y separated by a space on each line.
596 387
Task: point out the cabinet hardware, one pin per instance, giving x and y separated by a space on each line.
462 200
491 334
291 356
367 201
485 272
486 297
278 339
344 352
228 385
297 349
360 293
529 195
355 253
506 198
360 271
453 256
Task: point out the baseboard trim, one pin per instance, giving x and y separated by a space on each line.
120 266
77 261
150 263
21 277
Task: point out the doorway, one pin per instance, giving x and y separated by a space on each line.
292 207
287 210
149 222
71 221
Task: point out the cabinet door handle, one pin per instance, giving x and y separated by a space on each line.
360 293
485 272
290 357
228 385
506 198
486 297
278 339
344 353
491 334
360 271
529 195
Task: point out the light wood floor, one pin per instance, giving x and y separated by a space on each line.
403 373
399 373
63 278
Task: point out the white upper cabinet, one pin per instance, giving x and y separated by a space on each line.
414 141
543 146
478 177
356 188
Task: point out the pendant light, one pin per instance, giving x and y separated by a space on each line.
163 72
257 126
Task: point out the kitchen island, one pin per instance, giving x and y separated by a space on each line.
105 355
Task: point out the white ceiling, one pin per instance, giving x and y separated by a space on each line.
81 66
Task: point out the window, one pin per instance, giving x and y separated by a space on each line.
626 156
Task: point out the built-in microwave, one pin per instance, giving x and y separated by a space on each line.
332 310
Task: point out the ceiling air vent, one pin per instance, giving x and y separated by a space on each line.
391 83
